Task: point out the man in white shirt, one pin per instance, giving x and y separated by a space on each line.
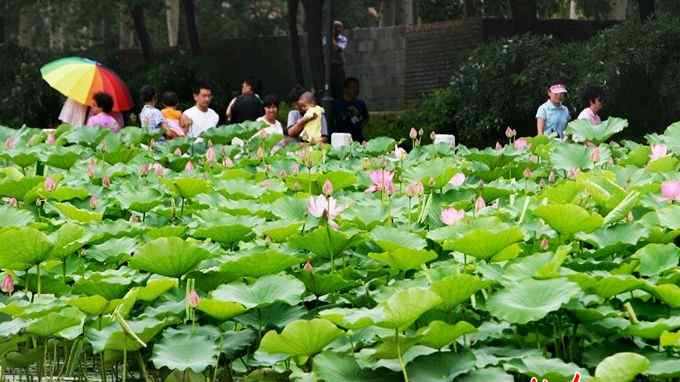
201 116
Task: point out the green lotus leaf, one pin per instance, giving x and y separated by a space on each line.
290 209
389 238
334 367
219 309
441 366
264 291
319 242
18 188
563 192
404 258
73 213
405 306
87 137
156 287
670 339
661 165
610 286
663 365
256 263
570 157
530 300
569 219
438 334
621 367
186 349
22 248
486 375
68 239
112 337
582 130
610 237
324 283
187 187
454 290
656 258
653 330
240 189
485 243
549 369
623 208
435 173
353 319
340 179
92 305
14 217
170 256
225 229
165 231
63 158
235 343
669 293
108 285
113 250
279 231
276 315
139 200
11 329
669 217
54 322
301 338
65 193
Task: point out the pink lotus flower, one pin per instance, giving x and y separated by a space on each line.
178 151
413 134
308 267
573 173
527 173
106 182
189 167
415 189
7 284
51 139
658 152
551 177
499 146
12 202
480 204
93 202
295 169
144 169
451 216
457 180
399 153
670 190
193 299
227 162
382 181
91 168
210 155
267 183
327 188
320 206
509 132
545 244
521 144
9 143
158 170
49 184
595 155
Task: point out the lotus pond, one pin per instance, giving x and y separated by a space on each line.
125 259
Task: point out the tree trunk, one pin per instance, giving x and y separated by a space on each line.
172 11
523 15
141 32
389 13
573 14
192 29
408 12
617 9
313 25
126 28
471 9
294 38
647 9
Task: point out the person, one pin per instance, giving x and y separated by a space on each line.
294 115
246 107
102 105
201 117
340 43
552 116
350 114
271 112
150 116
176 122
595 98
73 112
310 123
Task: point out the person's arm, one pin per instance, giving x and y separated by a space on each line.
540 121
230 108
300 125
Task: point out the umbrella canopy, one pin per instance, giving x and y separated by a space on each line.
80 78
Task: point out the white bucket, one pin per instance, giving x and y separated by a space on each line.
447 139
340 140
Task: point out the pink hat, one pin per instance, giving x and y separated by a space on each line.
557 89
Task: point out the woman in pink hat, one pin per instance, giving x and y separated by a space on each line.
552 116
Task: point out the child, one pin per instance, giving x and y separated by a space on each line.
173 116
271 111
100 116
311 122
595 99
150 116
552 116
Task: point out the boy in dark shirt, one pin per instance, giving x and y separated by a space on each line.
350 114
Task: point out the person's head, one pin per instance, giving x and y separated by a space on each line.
170 99
338 27
271 107
248 86
148 94
351 88
556 92
307 100
203 95
294 96
102 103
595 98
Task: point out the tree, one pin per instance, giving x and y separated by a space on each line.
647 9
293 6
137 12
192 29
172 12
313 26
523 15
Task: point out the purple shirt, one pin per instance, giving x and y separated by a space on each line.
104 120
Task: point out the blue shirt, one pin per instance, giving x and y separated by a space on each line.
555 117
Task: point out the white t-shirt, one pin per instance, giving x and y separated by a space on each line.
73 113
201 121
272 128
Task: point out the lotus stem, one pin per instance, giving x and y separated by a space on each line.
38 273
124 356
142 367
401 359
330 247
524 209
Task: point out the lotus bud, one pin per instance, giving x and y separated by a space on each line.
421 132
521 144
178 151
260 153
551 177
104 147
415 189
7 284
210 155
295 169
499 146
9 143
433 135
308 266
283 174
189 167
545 244
134 219
509 132
193 299
90 168
574 172
267 183
106 182
658 152
12 202
480 204
413 134
227 162
158 170
144 169
630 217
595 155
51 139
533 158
610 161
49 184
527 173
451 216
152 143
457 180
93 202
399 153
327 188
541 183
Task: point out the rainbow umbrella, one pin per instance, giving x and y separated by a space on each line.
80 78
